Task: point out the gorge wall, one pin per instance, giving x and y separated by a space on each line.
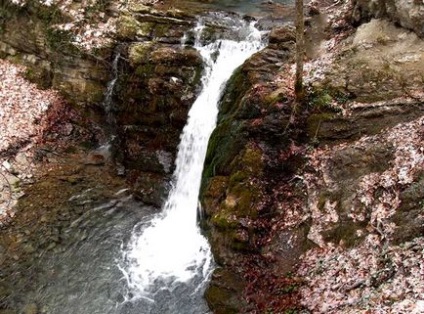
298 198
157 80
301 198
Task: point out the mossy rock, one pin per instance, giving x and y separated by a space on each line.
81 92
128 28
236 88
60 41
224 292
163 29
224 220
251 160
145 70
139 53
137 7
214 193
225 143
41 75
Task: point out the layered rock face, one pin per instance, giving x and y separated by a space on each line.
298 199
322 192
157 80
27 37
407 13
154 95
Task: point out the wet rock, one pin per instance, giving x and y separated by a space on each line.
223 294
282 37
246 163
51 58
409 218
150 189
152 104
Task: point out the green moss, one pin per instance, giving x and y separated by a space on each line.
233 94
162 29
238 177
322 101
127 27
94 92
219 297
139 53
145 70
49 15
288 289
8 11
145 29
252 160
224 221
41 76
61 41
275 96
246 196
222 149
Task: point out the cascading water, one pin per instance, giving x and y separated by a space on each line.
107 102
106 149
167 252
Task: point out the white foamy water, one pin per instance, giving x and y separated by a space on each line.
169 248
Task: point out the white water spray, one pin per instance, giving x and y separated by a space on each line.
170 248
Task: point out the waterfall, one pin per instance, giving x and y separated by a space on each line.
107 102
106 149
169 249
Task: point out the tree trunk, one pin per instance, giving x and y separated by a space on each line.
300 52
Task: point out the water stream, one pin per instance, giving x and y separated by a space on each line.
168 252
106 254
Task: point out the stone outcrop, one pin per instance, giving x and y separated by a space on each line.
281 181
27 37
157 81
284 182
154 92
406 13
246 184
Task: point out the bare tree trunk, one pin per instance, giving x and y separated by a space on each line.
300 52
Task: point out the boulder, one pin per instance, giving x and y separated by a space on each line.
406 13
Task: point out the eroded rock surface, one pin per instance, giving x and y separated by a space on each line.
333 184
301 201
409 14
